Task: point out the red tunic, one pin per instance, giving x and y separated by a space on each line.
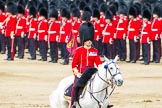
102 22
33 27
108 33
42 30
98 31
53 31
20 26
146 31
115 20
155 28
84 58
121 28
75 27
9 25
65 31
133 29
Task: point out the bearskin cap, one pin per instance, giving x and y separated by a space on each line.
33 11
43 12
108 15
157 10
53 13
20 9
96 13
65 13
86 16
147 14
12 8
75 12
86 32
133 11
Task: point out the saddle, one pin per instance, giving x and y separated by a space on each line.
67 93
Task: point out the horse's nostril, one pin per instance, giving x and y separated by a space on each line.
120 82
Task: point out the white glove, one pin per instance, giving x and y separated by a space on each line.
46 38
124 36
114 35
79 75
22 35
66 39
35 36
57 38
78 39
12 37
111 41
135 39
97 38
156 37
148 40
3 31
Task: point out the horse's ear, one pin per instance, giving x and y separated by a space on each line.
116 58
106 59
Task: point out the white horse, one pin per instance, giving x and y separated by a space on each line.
97 92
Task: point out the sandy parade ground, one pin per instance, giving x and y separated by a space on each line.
28 84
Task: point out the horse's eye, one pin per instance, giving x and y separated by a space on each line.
111 68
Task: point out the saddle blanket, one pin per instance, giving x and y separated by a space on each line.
67 93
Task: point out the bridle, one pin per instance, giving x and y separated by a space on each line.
109 83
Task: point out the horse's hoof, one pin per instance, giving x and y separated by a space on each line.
109 106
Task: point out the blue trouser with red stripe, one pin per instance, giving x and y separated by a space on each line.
156 50
146 52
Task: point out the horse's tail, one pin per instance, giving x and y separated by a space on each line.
54 99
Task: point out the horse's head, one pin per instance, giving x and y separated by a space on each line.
112 71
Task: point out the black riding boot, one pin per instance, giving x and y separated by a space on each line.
75 97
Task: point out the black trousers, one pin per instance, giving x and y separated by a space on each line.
64 52
43 49
20 43
98 45
9 42
120 48
133 48
146 52
32 48
109 50
156 50
2 43
82 81
54 50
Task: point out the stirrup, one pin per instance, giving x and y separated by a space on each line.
73 106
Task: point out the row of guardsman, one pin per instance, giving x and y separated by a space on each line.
54 24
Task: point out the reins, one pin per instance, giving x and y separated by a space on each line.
109 83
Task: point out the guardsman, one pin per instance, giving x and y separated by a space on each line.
2 18
155 34
20 31
76 24
32 34
65 31
121 33
145 36
98 31
108 36
139 23
133 34
103 8
113 9
42 34
53 34
9 27
85 57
